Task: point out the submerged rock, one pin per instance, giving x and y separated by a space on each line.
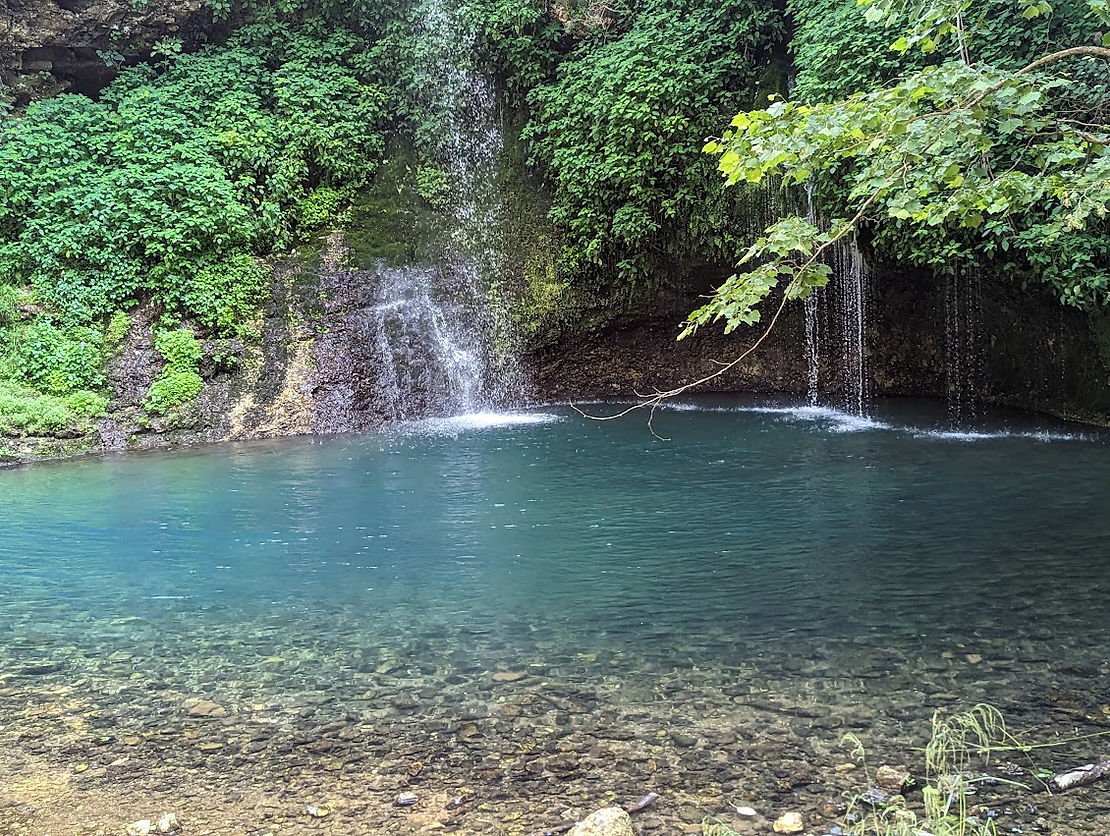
789 823
609 821
206 708
42 668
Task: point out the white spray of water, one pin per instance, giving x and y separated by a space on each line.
440 330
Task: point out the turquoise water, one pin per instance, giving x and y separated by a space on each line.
762 559
763 524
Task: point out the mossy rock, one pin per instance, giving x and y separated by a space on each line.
390 222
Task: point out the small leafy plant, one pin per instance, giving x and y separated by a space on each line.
180 380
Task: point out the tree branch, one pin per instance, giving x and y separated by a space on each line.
652 401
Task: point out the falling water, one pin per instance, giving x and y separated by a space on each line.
844 301
813 349
440 330
813 329
430 363
851 284
963 331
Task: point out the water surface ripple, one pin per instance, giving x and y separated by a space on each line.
766 564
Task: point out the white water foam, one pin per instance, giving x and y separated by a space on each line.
476 421
835 420
988 435
838 421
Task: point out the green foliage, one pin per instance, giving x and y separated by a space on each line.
119 325
10 299
173 388
434 185
127 197
221 9
957 160
179 381
166 47
319 208
616 132
49 373
25 411
224 296
59 360
958 744
520 40
838 52
179 348
167 188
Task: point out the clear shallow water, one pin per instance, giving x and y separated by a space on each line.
763 522
764 559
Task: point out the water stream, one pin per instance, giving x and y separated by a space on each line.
439 328
540 609
839 311
963 343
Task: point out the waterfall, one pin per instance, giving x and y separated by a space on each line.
840 305
440 330
963 335
813 350
813 325
430 362
851 282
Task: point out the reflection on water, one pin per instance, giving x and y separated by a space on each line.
857 572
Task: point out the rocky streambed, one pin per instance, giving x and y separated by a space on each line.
301 728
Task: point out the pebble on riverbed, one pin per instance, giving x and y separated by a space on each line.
893 778
609 821
789 823
538 745
205 708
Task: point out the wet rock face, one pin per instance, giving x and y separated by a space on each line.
1022 349
47 46
347 362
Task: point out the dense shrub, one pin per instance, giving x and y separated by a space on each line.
319 208
838 52
619 132
59 360
173 388
224 296
173 173
9 304
25 411
179 381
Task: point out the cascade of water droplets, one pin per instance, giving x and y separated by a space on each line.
963 334
430 364
844 301
439 330
813 350
852 280
813 324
